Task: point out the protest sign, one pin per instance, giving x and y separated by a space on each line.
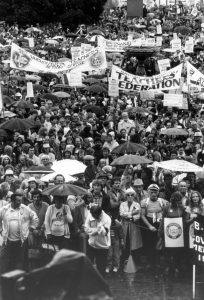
26 61
173 232
1 100
113 90
199 240
31 42
165 81
194 77
76 52
30 89
176 45
159 41
159 29
163 64
75 79
173 100
189 45
113 46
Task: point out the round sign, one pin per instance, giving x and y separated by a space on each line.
173 230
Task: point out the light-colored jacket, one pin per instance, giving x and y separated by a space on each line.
98 231
49 217
27 219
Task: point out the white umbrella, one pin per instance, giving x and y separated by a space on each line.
178 165
69 166
58 37
51 42
51 176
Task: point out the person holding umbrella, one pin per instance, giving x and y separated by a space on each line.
57 220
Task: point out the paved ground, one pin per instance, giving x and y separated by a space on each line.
143 285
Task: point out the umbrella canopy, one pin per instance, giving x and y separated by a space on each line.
129 147
183 30
22 104
61 94
139 110
64 189
8 114
178 165
96 89
91 81
97 32
50 97
39 87
99 111
4 133
38 170
174 131
32 77
18 124
51 176
7 91
7 100
52 42
130 159
69 166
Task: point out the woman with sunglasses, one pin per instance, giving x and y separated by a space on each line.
130 212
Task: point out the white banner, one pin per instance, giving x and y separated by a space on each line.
1 100
75 79
26 61
194 77
173 232
113 46
168 80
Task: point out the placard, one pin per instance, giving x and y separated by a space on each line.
163 64
176 44
173 100
199 240
173 232
189 45
30 93
159 29
76 52
31 42
159 40
113 90
75 79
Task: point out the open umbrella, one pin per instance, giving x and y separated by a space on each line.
50 97
91 81
99 111
51 176
174 131
96 88
8 91
38 170
183 30
139 110
8 114
69 166
39 87
97 32
18 124
178 165
32 77
61 94
7 100
64 189
52 42
130 159
23 104
129 147
4 133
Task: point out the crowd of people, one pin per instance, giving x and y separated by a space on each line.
123 209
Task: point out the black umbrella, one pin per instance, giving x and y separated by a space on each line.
18 124
64 189
129 147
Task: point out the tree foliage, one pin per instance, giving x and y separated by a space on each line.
70 12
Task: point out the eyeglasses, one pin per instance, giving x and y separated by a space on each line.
130 195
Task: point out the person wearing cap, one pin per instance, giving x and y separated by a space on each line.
138 187
103 177
152 209
32 185
130 213
16 221
57 219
